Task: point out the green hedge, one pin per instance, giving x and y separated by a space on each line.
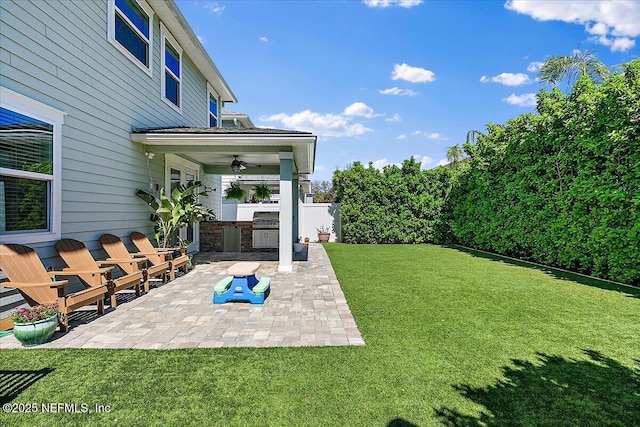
395 205
560 187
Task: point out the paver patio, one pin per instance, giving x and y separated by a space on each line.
305 308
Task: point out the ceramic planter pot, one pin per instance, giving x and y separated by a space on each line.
36 333
297 247
323 237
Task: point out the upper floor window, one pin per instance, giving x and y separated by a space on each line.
30 143
213 111
172 65
130 29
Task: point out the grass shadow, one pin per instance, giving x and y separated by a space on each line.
12 383
400 422
555 392
632 292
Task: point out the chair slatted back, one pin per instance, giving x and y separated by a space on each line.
117 250
144 245
76 255
21 264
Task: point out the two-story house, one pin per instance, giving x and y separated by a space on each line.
100 98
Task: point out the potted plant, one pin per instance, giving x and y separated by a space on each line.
262 191
297 246
175 211
323 233
35 325
235 191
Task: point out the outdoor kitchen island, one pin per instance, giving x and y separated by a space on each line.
259 235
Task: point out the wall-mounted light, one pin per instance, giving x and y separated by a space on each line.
149 156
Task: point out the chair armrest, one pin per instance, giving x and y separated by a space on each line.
72 272
146 253
162 254
109 261
57 284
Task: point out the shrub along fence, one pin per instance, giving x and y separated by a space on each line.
560 187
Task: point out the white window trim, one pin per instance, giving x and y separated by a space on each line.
210 92
29 107
165 36
112 34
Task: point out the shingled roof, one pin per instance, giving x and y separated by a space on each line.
221 131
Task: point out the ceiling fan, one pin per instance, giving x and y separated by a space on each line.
240 165
237 165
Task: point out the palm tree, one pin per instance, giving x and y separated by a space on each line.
454 154
579 63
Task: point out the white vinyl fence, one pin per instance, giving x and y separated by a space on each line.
311 216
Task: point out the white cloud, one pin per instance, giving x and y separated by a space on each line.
412 74
328 125
508 79
425 161
524 100
381 163
360 109
401 137
430 135
213 7
619 44
535 67
443 162
389 3
395 118
397 91
263 39
614 20
598 28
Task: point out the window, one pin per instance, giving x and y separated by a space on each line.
130 29
30 141
213 111
172 66
213 107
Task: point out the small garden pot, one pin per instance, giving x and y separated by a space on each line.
323 237
36 333
297 247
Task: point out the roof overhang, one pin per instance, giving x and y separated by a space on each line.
214 148
170 15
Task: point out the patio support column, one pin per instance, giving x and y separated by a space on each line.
294 208
286 212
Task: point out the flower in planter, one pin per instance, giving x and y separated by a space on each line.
35 313
323 230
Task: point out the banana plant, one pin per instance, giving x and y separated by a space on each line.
175 211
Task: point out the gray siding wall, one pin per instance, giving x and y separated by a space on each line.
58 53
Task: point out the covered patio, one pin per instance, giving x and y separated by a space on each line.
286 153
306 307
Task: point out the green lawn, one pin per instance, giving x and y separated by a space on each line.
453 338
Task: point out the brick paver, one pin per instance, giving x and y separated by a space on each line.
305 308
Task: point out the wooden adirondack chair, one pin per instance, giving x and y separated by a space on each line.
158 256
130 263
26 273
78 257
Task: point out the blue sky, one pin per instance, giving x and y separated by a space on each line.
384 80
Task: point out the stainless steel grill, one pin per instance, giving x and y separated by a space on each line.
265 220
